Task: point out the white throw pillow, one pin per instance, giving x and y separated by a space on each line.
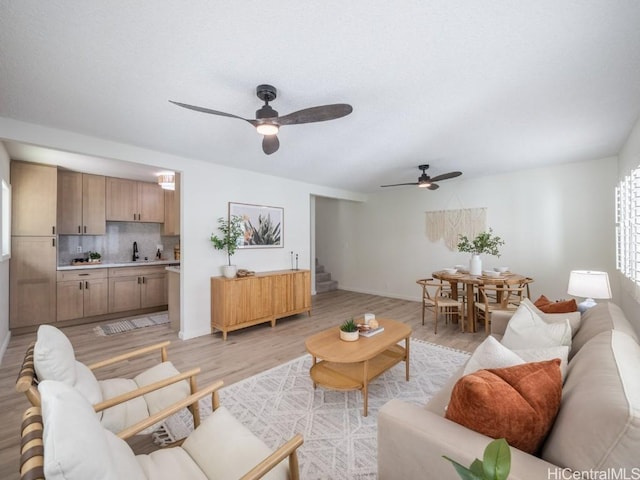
53 357
491 354
574 319
548 353
527 330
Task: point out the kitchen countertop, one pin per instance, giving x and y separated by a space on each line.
139 263
173 268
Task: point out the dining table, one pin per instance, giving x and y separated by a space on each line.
470 282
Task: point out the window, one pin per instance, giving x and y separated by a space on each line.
628 226
5 224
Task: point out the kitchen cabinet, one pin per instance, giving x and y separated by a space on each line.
171 225
241 302
34 194
132 201
32 282
132 288
82 293
81 203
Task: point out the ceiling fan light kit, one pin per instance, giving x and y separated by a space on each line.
425 181
268 123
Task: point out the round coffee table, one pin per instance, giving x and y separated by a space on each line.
352 365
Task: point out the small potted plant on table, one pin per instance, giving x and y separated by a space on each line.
485 242
349 331
231 232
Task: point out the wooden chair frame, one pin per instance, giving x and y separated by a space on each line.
438 301
27 381
32 449
506 297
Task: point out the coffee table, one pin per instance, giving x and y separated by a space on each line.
352 365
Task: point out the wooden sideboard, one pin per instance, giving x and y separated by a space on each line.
242 302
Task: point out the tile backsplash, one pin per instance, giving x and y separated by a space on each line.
117 245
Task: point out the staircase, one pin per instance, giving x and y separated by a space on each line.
323 280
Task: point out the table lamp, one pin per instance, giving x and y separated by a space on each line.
589 285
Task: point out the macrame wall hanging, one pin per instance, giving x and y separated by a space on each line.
449 224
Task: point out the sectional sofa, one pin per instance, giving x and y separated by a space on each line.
596 433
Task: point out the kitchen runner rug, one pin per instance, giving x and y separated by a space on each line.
339 443
132 324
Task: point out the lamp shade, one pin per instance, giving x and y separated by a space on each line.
589 284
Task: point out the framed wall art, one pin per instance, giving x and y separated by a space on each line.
262 226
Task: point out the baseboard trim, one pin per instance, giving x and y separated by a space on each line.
5 345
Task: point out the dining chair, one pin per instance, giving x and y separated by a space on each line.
118 402
436 298
495 296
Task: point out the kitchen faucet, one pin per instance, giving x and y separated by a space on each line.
136 256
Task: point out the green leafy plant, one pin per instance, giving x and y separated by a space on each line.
485 242
495 464
95 256
267 232
349 326
231 232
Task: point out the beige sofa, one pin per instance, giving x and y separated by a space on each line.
597 428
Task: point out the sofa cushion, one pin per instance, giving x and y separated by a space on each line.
123 415
224 448
561 306
491 354
526 329
87 384
598 426
604 316
53 356
574 317
517 403
76 447
160 399
170 464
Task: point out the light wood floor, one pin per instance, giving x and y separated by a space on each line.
245 353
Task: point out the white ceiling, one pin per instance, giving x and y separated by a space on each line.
477 86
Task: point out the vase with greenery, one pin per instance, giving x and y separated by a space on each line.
231 232
349 331
485 242
94 257
495 463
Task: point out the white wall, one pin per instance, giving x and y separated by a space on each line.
206 189
628 159
552 219
4 270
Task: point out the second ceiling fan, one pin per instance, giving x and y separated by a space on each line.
268 122
425 181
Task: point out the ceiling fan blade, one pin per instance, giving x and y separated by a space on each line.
213 112
399 184
316 114
446 176
433 186
270 144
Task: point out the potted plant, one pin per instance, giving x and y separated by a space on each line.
495 464
231 231
349 331
485 242
94 257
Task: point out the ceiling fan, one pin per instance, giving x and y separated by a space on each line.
425 181
268 122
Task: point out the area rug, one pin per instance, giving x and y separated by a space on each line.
339 443
131 324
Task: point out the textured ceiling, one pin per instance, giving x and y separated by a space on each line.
477 86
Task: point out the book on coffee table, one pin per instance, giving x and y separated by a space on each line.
372 332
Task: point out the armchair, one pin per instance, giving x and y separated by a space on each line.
119 402
77 447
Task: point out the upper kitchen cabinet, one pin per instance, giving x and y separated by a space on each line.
34 191
81 203
132 201
171 224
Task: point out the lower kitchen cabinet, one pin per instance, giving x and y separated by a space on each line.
82 293
131 288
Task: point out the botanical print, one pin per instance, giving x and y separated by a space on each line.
262 226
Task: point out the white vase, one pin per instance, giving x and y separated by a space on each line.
349 336
475 265
229 271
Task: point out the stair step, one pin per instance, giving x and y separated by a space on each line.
323 277
322 287
319 268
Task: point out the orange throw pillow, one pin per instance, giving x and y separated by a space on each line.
518 403
547 306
